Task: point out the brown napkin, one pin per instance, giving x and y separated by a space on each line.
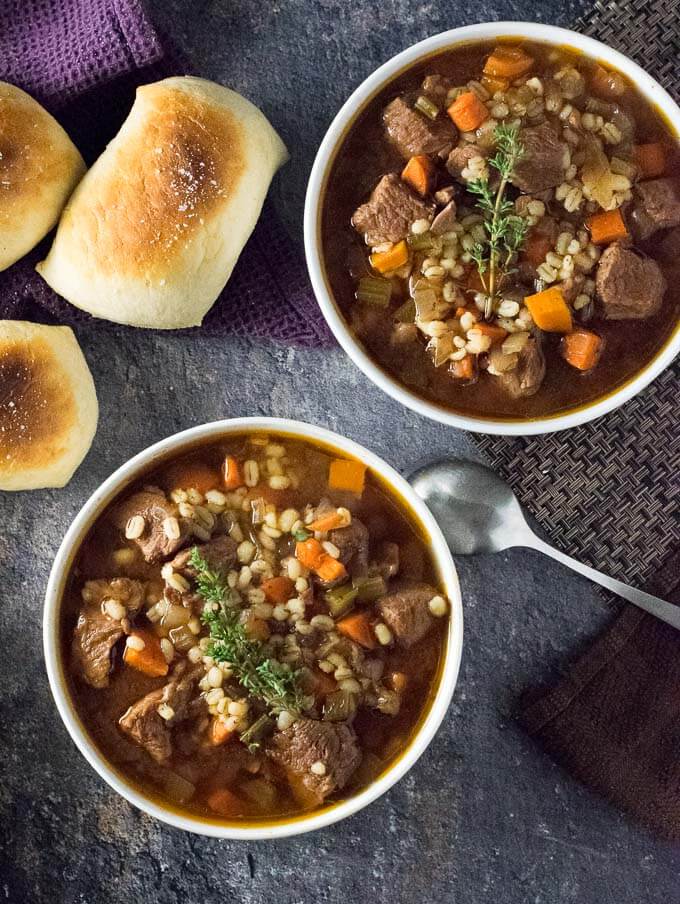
614 719
609 494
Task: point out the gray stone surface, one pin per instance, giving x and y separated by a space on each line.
484 816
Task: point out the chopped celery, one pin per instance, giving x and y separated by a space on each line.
426 106
178 788
339 706
301 535
420 242
374 291
340 599
261 792
406 313
370 588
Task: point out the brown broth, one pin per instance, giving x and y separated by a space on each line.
381 738
366 155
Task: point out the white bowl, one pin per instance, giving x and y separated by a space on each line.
331 144
71 543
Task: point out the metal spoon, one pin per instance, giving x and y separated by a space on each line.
478 513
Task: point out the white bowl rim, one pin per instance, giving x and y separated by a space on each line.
533 31
52 645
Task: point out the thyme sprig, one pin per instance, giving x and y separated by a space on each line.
277 687
505 230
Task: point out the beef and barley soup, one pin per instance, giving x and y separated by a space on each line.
254 629
501 228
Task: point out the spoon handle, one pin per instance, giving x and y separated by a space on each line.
653 604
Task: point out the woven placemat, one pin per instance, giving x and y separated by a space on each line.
609 492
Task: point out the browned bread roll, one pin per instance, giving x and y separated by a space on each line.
39 168
152 233
48 405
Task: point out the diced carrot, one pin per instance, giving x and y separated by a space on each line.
256 628
149 660
278 590
550 311
508 62
536 247
418 172
270 496
310 553
385 261
607 84
467 309
650 159
358 628
347 475
492 330
398 680
233 478
494 84
607 226
219 732
330 569
322 684
463 369
468 112
581 348
327 522
225 803
192 475
313 556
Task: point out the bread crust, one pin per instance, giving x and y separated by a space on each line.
48 405
152 233
39 168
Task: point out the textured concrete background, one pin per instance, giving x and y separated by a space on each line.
484 816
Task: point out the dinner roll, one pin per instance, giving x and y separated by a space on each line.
39 168
48 405
152 233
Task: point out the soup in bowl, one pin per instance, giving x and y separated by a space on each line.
493 227
253 629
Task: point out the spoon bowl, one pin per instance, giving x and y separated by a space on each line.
479 513
475 508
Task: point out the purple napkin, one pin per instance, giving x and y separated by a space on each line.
83 60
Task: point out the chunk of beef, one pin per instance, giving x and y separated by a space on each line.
307 742
96 633
629 287
387 560
667 252
219 553
352 541
459 158
445 220
413 133
526 377
389 212
154 508
403 334
656 205
437 87
544 160
147 728
366 320
348 649
406 612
